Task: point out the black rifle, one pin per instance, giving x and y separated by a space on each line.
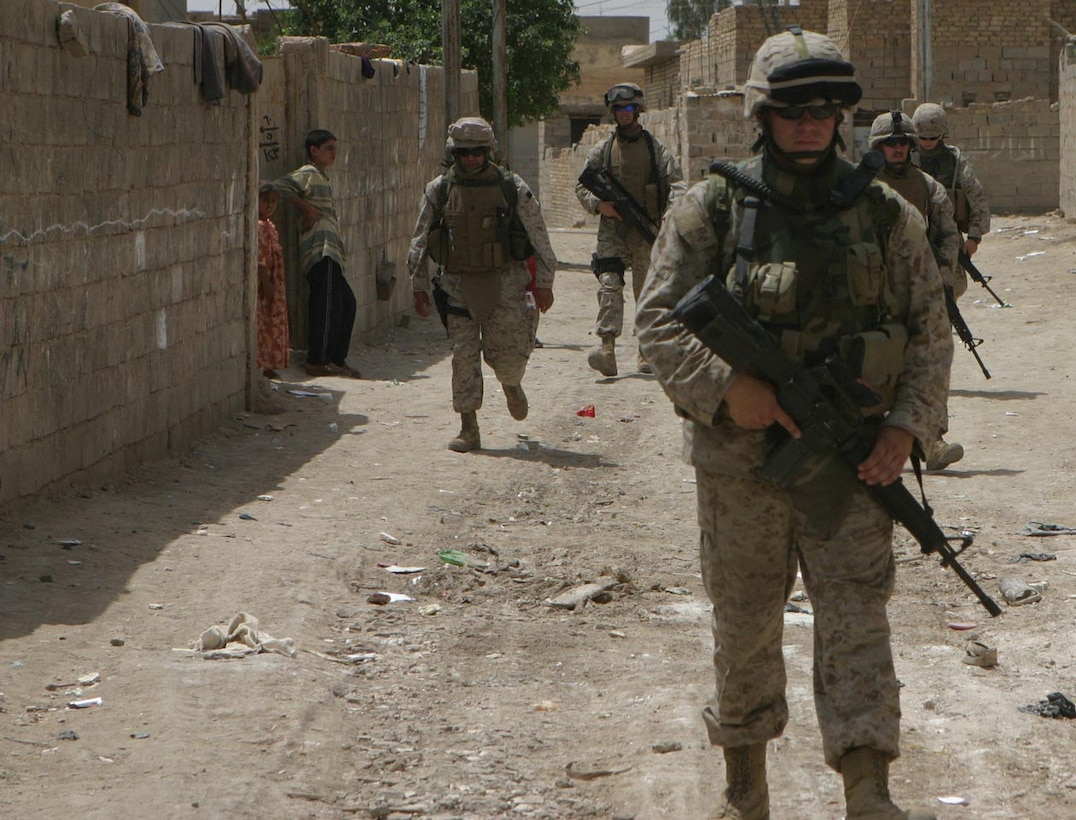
607 188
819 401
962 329
977 276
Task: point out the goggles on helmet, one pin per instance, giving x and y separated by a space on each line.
620 92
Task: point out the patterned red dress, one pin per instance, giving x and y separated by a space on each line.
273 349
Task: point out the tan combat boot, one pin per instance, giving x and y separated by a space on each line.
866 788
642 365
940 454
517 401
469 438
603 359
747 796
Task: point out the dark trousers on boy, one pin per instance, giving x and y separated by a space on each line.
331 314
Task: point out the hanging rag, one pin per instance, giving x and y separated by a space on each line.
142 59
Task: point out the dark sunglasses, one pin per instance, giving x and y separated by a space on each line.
469 152
632 107
893 142
817 112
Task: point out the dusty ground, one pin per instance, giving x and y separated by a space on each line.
474 700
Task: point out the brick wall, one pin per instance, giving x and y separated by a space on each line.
875 36
128 244
1067 127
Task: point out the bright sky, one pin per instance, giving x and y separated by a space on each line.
654 9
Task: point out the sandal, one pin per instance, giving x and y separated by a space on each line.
346 370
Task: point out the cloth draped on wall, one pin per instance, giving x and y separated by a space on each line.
142 59
222 60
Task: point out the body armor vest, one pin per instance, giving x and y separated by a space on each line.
941 163
476 218
912 186
633 164
817 281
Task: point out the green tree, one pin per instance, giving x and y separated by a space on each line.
540 34
689 18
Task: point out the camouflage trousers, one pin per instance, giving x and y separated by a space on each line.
505 340
751 544
634 251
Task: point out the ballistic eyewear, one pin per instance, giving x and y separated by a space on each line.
893 142
817 112
630 107
468 152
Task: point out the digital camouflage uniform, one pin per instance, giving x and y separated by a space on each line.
871 258
630 163
948 164
504 335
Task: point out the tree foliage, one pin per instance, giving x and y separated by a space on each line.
540 35
689 18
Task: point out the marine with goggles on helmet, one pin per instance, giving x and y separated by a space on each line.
648 171
834 266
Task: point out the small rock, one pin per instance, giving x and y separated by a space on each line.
117 641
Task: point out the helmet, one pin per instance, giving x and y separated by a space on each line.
470 132
892 124
930 121
623 94
796 67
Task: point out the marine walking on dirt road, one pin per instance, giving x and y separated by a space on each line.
837 270
893 133
643 169
480 223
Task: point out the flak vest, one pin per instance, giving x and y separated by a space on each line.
634 164
942 164
818 281
475 215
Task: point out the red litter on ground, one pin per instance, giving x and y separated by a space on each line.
586 410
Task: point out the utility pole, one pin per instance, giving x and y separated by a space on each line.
500 79
450 49
925 79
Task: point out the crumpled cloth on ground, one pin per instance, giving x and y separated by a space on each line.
1023 557
1039 528
243 629
1017 592
1056 705
142 59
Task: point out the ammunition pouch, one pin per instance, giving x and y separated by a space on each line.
877 356
437 244
607 264
515 236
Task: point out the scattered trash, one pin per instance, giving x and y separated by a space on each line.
243 628
1023 557
1030 255
83 680
389 539
67 543
461 559
383 598
1056 705
74 563
791 607
310 394
979 654
591 774
955 801
578 597
546 706
666 747
526 443
430 609
85 704
265 498
140 735
247 517
401 570
70 734
1039 528
156 606
961 627
677 590
587 411
1018 592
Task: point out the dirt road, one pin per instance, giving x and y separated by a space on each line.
478 699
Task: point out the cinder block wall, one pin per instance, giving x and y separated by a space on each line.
879 47
1067 127
124 250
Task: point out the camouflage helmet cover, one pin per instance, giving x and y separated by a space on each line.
470 132
796 67
624 94
892 124
930 121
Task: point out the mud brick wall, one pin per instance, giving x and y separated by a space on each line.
875 36
1067 127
